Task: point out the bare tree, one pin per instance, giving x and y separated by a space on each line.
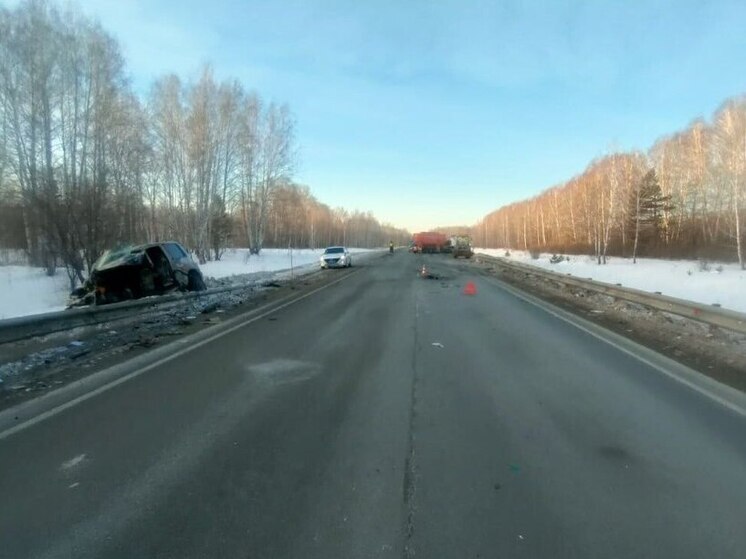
693 207
91 167
269 163
730 123
64 100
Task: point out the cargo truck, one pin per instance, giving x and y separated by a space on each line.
429 241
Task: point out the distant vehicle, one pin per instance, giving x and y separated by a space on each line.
462 246
132 272
335 257
429 241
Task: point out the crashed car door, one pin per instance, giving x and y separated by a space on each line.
180 262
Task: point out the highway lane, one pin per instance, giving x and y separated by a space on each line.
385 416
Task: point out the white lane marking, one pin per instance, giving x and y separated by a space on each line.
73 485
72 462
113 384
703 391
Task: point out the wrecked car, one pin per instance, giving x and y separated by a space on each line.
132 272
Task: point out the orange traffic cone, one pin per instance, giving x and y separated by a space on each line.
470 288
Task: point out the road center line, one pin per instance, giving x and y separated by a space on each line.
72 462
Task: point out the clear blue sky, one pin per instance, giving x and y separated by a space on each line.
436 112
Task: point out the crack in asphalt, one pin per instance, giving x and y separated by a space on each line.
409 487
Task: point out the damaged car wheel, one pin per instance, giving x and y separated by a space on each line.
196 283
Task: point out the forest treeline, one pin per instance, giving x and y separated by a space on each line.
684 198
85 164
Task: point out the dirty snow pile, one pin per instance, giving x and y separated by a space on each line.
25 290
693 280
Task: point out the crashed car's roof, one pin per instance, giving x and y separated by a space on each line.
127 255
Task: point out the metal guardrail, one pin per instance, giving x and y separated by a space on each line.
23 327
709 314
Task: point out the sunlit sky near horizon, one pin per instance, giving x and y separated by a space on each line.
436 112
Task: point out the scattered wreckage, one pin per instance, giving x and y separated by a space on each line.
132 272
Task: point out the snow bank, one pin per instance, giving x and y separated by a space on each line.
239 261
26 290
724 284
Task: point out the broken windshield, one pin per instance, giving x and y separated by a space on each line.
114 255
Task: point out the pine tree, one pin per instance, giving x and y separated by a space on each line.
647 207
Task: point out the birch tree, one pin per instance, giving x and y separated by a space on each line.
730 130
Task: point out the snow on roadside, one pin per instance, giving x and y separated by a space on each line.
722 283
239 262
25 290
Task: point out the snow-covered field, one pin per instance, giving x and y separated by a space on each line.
25 290
686 279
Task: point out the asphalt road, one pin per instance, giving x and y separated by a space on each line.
385 416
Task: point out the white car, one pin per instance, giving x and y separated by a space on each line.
335 257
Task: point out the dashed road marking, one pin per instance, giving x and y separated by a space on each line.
69 464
